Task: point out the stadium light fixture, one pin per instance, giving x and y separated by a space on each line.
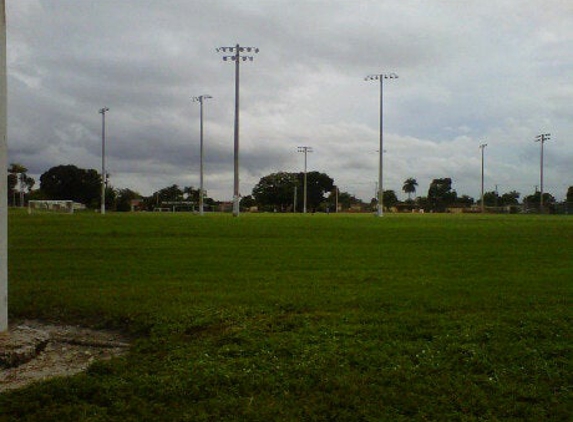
380 77
542 138
200 100
236 57
304 150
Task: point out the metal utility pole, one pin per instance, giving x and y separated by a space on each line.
3 172
237 57
199 100
542 138
103 173
306 150
482 147
381 77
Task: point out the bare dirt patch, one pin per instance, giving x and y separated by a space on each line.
32 351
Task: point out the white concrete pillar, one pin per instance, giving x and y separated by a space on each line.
4 174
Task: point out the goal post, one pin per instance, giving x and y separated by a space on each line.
55 205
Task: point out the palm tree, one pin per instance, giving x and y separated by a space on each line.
410 186
191 193
18 173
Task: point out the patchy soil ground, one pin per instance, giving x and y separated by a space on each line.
32 351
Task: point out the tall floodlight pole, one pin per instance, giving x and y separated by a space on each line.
200 100
237 57
3 172
482 147
542 138
102 111
305 150
381 77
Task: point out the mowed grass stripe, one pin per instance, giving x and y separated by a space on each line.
315 317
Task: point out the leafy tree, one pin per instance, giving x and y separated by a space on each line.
71 182
16 168
389 198
209 201
170 194
174 193
192 194
441 195
36 194
247 202
510 198
491 199
28 182
569 200
124 198
535 199
372 206
318 185
410 186
276 191
466 200
423 203
345 200
12 182
110 198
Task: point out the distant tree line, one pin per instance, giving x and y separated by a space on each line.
283 192
441 197
84 186
276 192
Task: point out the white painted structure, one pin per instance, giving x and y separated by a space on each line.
4 173
61 206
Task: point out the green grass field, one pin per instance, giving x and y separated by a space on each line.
291 318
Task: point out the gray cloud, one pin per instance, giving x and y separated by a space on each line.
469 73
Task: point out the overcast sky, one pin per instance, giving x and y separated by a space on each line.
470 72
